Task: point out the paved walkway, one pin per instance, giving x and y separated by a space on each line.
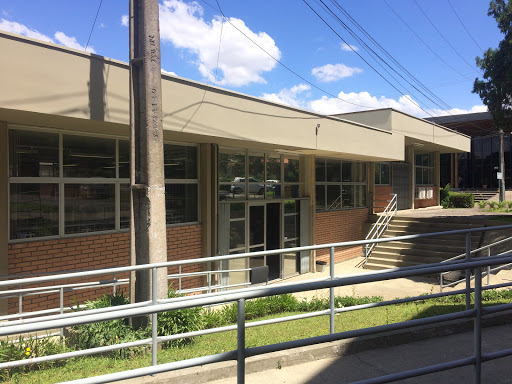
384 361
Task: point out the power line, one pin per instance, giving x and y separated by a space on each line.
361 57
424 43
392 58
281 63
470 35
444 38
93 24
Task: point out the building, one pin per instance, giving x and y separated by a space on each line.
477 169
242 174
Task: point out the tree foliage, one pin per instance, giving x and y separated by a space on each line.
495 88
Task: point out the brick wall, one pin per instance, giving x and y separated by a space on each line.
423 203
382 197
90 252
339 226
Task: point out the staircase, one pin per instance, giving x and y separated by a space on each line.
423 251
482 195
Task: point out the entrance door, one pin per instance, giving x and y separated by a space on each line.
401 184
265 234
273 239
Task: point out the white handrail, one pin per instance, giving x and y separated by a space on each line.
380 226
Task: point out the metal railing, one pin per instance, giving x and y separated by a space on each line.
154 306
380 226
453 276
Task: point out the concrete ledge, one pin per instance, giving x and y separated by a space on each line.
296 356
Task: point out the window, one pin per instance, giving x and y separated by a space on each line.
424 169
382 174
63 184
340 184
257 175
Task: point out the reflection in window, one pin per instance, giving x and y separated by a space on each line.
231 165
33 154
382 173
180 162
124 159
85 156
180 203
89 208
124 206
34 210
344 185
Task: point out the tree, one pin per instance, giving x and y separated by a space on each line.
495 89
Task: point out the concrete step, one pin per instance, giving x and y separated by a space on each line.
419 251
386 257
437 242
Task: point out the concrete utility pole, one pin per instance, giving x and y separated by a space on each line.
502 167
148 232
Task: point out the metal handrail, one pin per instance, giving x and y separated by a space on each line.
380 225
240 296
336 203
464 255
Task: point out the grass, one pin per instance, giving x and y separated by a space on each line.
256 336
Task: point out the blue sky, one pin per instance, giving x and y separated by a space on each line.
444 61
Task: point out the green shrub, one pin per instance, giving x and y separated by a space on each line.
482 204
28 348
461 200
444 195
107 332
180 321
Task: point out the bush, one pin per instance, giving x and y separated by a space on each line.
180 321
444 195
28 348
107 332
461 200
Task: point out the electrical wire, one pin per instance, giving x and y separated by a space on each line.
470 35
93 24
362 58
424 43
444 38
281 63
439 102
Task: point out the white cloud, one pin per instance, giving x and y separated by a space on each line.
349 47
240 61
334 72
331 106
458 111
70 41
20 29
59 37
168 72
124 20
289 96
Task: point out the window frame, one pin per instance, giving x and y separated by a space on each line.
62 181
327 207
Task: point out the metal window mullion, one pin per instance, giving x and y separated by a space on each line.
61 186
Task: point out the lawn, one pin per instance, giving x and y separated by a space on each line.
257 336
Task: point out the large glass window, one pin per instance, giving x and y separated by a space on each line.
33 154
340 184
84 181
382 173
85 156
424 169
34 210
248 175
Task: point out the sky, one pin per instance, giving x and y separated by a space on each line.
284 52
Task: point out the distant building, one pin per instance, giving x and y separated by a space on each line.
478 168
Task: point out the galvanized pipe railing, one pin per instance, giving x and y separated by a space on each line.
381 225
487 273
152 308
